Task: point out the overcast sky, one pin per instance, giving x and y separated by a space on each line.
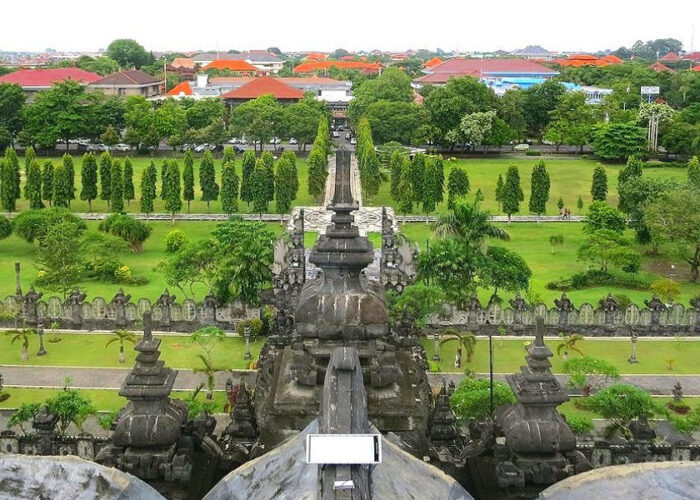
464 25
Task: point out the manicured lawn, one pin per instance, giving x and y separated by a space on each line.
90 350
531 241
509 355
196 206
102 399
570 178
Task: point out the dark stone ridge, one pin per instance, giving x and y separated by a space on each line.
540 448
62 478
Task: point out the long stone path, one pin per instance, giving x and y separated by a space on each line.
112 378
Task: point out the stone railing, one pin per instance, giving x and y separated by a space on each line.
654 318
602 453
78 313
85 446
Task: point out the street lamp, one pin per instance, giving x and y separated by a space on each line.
436 346
633 356
491 374
40 332
246 335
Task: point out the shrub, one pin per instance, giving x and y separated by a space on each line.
532 152
665 288
5 227
595 278
256 327
471 398
130 230
580 424
31 225
175 240
686 423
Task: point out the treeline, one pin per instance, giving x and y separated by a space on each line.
262 181
67 112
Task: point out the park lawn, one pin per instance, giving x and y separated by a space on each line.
90 350
531 241
570 178
509 355
15 249
106 400
197 206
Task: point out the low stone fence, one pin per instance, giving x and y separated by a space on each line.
602 453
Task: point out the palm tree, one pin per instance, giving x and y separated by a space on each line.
469 223
569 343
209 370
121 336
22 335
465 340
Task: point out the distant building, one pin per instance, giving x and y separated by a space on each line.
484 69
36 80
312 67
534 52
129 82
431 63
660 68
183 62
265 62
671 57
235 65
264 85
578 60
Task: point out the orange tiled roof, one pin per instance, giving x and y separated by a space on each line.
432 62
611 59
183 88
670 57
230 64
263 86
316 56
696 68
183 62
309 67
660 67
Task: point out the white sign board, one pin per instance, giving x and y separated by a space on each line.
651 90
354 449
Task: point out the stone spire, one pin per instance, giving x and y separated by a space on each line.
442 425
340 303
242 417
150 418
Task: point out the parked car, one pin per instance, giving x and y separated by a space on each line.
348 136
233 140
238 149
292 140
340 128
121 147
186 147
353 141
336 134
275 140
521 147
201 148
216 148
97 147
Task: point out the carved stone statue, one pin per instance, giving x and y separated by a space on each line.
166 301
75 302
210 304
656 306
119 302
31 309
677 392
520 307
565 307
610 307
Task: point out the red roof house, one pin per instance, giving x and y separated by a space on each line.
41 79
181 89
692 56
431 63
484 68
231 65
696 68
660 67
310 67
670 57
263 86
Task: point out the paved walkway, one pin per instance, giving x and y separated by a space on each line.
112 378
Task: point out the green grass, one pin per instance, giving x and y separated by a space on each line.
509 355
570 409
531 241
102 399
570 178
197 206
90 350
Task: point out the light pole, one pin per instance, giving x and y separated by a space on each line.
436 346
633 356
246 335
40 332
491 374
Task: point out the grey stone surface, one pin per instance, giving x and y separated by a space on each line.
67 478
663 481
284 475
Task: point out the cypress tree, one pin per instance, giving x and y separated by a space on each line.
457 186
599 187
512 192
560 203
539 189
258 186
292 159
229 155
415 176
207 179
129 192
318 172
88 179
172 191
7 194
395 169
117 189
188 178
148 188
284 184
47 182
246 174
694 172
432 184
579 204
105 177
29 157
632 170
229 185
479 196
269 162
163 174
70 176
32 188
404 189
13 175
61 186
499 191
